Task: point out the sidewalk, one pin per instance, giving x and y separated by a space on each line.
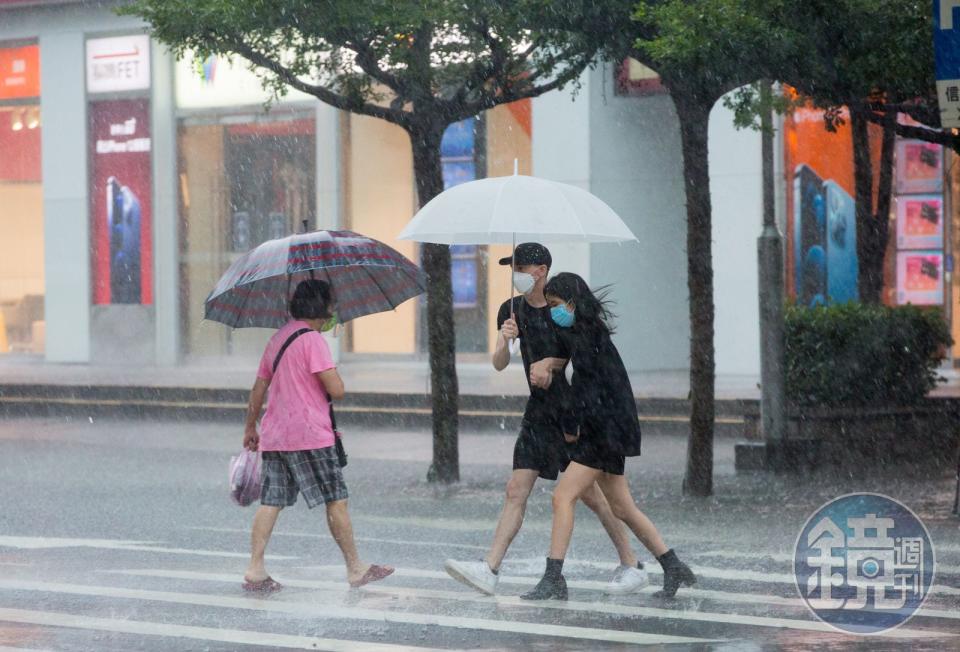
383 392
371 375
360 375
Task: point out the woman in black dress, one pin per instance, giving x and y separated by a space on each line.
602 424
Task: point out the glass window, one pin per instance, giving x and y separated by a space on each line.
21 196
243 180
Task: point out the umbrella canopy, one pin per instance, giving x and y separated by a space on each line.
366 277
501 210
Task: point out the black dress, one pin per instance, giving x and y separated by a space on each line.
602 406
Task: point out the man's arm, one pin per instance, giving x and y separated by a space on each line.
257 395
501 354
541 371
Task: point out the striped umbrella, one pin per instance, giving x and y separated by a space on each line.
366 277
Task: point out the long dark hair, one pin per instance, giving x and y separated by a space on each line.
592 309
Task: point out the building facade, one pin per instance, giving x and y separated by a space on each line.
129 181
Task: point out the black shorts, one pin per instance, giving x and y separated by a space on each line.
540 447
597 456
314 473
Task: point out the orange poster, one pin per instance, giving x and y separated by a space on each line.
19 72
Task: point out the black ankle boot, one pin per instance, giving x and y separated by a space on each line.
552 586
675 574
548 589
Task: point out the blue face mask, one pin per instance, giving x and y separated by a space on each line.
561 316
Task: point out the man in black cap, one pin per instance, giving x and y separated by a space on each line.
541 450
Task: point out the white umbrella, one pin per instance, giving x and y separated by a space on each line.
504 210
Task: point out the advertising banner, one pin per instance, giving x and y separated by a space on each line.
822 227
457 151
920 222
121 202
19 72
919 167
920 278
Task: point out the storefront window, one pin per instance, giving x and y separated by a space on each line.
21 196
243 180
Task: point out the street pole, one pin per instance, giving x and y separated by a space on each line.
770 260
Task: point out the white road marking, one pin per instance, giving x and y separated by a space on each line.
701 571
46 543
170 630
314 535
788 558
578 606
40 543
319 609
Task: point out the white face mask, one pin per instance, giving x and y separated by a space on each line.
523 282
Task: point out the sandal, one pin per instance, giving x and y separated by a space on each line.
268 585
373 574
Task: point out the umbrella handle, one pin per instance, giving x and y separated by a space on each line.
512 253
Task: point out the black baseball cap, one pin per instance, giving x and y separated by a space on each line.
529 253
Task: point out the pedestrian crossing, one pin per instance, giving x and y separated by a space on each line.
167 595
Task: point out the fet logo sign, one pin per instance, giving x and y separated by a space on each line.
120 63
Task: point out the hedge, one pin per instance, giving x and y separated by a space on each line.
863 355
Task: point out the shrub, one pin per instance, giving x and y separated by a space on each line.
863 355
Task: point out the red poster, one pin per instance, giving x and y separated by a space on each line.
20 72
120 194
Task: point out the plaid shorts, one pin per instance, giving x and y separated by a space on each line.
314 473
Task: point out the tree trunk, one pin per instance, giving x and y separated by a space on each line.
441 337
871 230
694 121
884 196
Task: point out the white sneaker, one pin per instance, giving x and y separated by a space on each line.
475 574
627 579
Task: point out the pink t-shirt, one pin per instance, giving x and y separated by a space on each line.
298 414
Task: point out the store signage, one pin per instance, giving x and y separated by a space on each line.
119 63
222 81
946 46
120 198
19 72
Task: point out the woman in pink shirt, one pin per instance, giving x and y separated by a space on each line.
296 437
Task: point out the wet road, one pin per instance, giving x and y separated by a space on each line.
120 536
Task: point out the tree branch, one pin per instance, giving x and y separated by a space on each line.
937 137
322 93
367 60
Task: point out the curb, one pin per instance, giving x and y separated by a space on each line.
371 409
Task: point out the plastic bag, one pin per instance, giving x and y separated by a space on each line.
245 477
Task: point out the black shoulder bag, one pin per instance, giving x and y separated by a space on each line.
338 442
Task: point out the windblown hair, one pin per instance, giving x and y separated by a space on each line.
593 314
312 300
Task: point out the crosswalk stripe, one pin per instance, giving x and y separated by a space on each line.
788 558
570 605
42 543
593 585
701 572
170 630
315 609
